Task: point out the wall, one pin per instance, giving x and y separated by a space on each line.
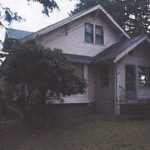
73 42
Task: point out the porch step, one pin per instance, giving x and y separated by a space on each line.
135 111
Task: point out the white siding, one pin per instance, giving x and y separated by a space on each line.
73 42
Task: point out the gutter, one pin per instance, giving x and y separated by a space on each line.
79 59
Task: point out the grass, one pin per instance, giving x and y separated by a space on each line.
92 133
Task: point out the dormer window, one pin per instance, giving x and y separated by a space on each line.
89 30
94 34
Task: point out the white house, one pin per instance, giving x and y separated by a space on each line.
116 67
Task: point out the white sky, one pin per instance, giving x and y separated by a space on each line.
32 13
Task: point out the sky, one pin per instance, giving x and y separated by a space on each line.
32 15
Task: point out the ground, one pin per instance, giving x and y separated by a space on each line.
92 133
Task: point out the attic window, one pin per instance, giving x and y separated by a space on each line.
99 34
94 33
89 30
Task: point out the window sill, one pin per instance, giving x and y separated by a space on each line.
94 44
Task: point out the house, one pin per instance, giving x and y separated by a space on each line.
116 67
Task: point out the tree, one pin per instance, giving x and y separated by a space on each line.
34 70
9 16
132 15
6 14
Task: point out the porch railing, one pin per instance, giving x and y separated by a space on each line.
126 96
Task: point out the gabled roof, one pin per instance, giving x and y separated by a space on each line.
119 50
17 34
75 17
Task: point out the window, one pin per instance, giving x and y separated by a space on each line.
99 35
89 33
79 70
103 77
94 33
144 76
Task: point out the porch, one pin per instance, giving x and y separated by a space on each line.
133 82
136 88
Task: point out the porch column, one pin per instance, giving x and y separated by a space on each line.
86 71
116 90
136 80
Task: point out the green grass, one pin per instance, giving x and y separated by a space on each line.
79 134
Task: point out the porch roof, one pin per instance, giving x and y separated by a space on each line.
119 50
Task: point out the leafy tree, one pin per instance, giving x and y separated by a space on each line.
132 15
36 71
6 14
9 16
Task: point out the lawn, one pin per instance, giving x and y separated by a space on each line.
92 133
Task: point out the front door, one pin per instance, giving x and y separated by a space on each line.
130 82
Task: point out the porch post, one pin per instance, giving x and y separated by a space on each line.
136 80
86 71
116 90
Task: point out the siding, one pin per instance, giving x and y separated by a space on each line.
73 42
139 57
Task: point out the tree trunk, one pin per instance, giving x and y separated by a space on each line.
22 104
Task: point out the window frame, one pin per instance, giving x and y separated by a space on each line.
94 33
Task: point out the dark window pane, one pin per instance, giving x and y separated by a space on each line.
89 37
99 30
99 39
89 33
99 35
89 28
